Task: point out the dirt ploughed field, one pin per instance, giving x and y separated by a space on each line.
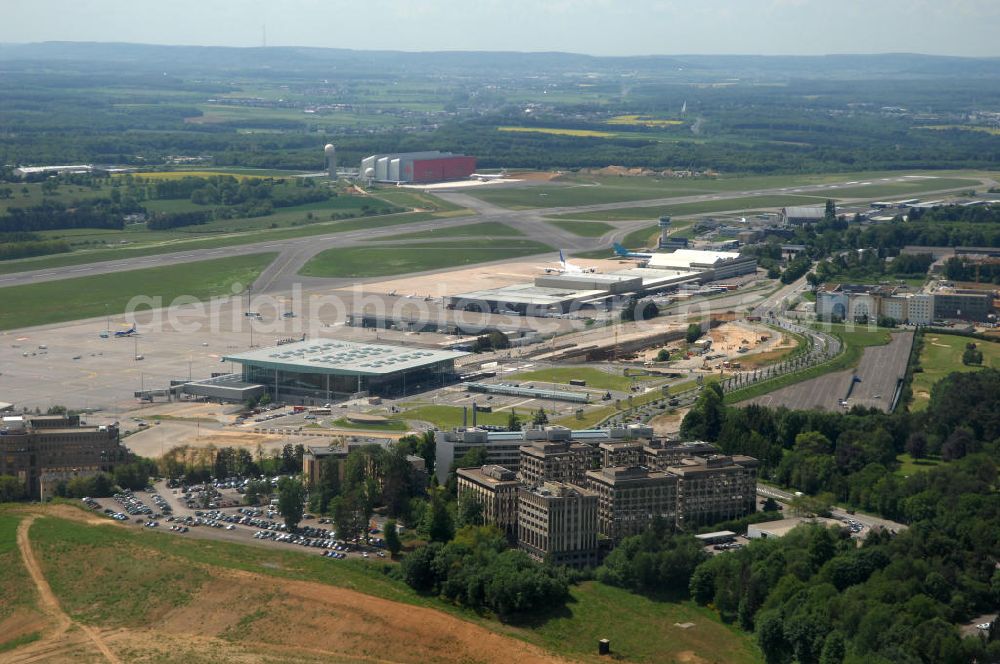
874 382
103 596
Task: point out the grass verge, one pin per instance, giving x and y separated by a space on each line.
467 230
595 378
391 425
87 297
85 257
397 259
16 590
641 629
582 228
448 417
699 207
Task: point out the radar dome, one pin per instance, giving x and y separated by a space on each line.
369 172
329 149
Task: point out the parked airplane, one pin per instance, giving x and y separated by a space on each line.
487 177
127 333
625 253
565 267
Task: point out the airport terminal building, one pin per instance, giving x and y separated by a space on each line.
328 369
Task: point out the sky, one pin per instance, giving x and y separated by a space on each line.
597 27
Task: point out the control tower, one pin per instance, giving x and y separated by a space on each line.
664 231
330 153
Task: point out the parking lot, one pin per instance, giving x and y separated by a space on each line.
216 512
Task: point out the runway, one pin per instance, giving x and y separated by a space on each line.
282 274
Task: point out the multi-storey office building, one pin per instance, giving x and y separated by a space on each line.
621 453
556 461
557 522
495 487
713 489
631 498
43 450
661 454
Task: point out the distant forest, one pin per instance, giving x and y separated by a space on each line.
274 108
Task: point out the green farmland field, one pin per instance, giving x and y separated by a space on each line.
85 297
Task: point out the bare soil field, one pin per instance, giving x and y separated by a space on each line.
668 424
231 615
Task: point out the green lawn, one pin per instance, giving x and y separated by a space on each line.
399 259
595 378
590 418
391 425
583 228
85 297
700 207
449 417
415 199
467 230
115 577
16 590
941 355
17 594
910 466
641 629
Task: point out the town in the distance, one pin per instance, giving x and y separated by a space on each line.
453 358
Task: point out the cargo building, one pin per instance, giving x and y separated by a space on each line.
429 166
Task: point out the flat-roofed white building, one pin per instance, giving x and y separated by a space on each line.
713 264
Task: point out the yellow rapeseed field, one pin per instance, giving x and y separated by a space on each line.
642 120
559 132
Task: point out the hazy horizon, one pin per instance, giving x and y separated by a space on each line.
590 27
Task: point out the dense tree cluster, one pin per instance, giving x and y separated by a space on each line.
194 465
796 270
636 309
99 485
852 455
10 250
495 340
655 562
813 596
52 215
162 221
371 476
477 570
